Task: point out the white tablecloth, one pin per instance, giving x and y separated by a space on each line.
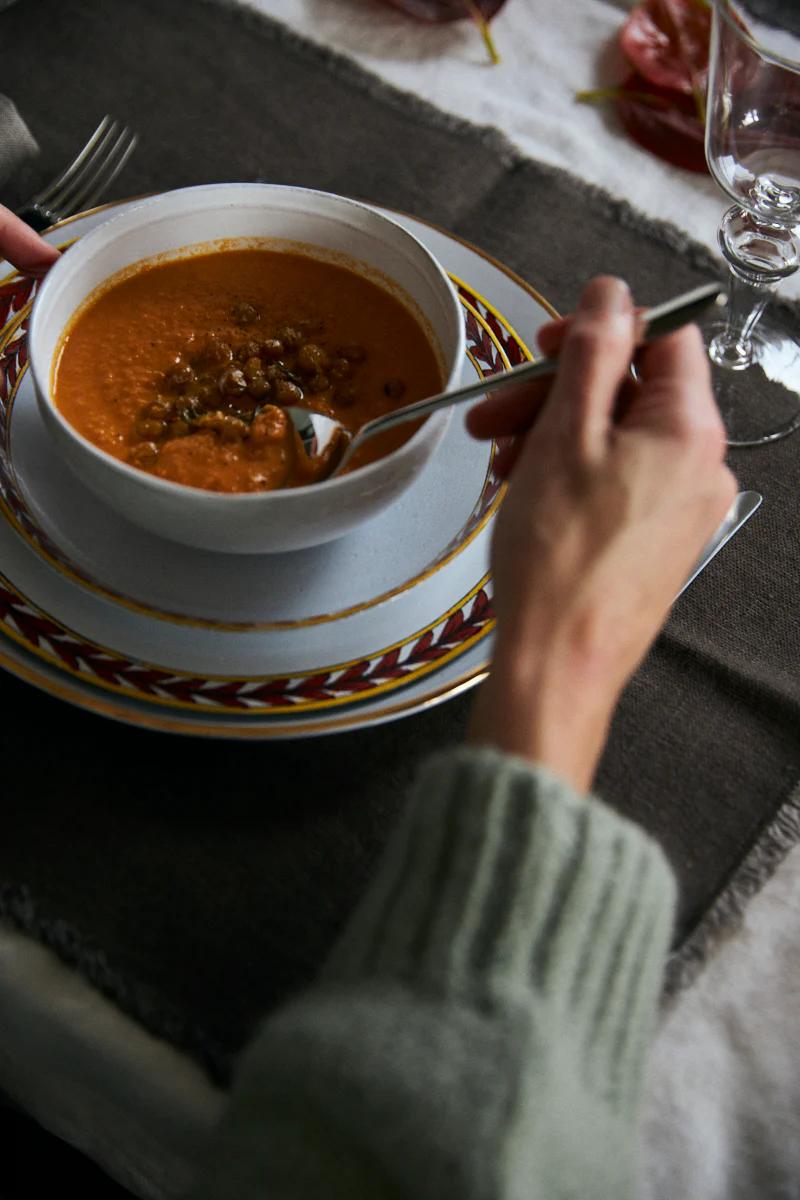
722 1119
549 51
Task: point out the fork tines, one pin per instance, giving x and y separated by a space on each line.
88 175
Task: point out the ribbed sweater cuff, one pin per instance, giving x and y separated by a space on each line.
501 880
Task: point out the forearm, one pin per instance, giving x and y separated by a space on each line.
551 707
479 1029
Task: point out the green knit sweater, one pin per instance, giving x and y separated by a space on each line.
479 1031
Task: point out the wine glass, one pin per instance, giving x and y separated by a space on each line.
753 153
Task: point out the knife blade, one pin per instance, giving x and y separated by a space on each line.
737 515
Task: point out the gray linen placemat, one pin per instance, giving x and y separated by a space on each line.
16 143
198 884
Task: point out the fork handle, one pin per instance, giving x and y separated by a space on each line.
665 318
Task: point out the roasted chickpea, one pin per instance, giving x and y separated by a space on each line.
159 410
311 359
340 368
229 429
145 454
290 337
320 383
270 425
188 407
232 382
247 350
213 351
258 386
252 367
180 376
178 428
149 428
206 391
245 314
245 407
286 392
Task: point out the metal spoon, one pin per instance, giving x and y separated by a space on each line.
317 431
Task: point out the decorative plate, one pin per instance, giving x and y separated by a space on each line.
388 620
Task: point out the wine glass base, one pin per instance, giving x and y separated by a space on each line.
759 402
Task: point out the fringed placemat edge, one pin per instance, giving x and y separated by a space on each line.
724 916
351 72
140 1001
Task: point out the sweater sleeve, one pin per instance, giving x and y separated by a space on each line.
478 1032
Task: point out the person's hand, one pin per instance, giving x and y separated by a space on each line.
23 247
614 488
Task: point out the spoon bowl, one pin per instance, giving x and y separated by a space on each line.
321 436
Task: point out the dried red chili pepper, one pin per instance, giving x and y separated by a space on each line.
664 123
662 102
439 11
666 42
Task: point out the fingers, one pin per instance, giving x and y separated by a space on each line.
513 410
674 395
677 357
551 336
592 389
506 457
23 247
595 356
510 411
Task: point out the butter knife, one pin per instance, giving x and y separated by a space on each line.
737 515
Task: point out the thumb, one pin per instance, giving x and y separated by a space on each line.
23 247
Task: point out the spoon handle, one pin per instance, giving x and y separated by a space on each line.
664 318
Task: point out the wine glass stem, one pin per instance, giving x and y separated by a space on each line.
733 347
759 257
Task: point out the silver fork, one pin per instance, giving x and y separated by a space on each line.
86 177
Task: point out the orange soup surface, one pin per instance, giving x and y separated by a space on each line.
184 368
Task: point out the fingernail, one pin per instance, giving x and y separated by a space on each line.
607 294
618 295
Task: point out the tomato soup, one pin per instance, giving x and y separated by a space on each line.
184 368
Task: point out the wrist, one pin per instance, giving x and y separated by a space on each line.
545 707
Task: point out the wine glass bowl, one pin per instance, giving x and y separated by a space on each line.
753 154
753 128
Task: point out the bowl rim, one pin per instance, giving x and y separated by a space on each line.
728 11
432 425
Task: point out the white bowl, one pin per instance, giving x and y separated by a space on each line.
253 522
